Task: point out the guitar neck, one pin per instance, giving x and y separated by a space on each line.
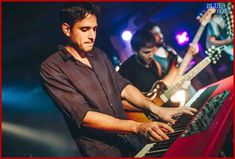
188 57
187 77
198 34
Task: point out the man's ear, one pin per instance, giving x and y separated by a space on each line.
66 29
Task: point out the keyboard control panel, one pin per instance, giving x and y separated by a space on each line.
205 116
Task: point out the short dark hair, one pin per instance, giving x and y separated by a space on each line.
73 12
149 26
142 38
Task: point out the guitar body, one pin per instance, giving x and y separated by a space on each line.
158 101
154 96
137 116
142 117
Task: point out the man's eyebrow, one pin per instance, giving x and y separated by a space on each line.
146 51
87 27
83 27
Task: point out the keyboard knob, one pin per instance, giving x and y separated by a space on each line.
193 127
200 125
203 123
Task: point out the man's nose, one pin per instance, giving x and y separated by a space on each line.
151 55
92 34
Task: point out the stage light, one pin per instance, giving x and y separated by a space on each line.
35 135
182 38
126 35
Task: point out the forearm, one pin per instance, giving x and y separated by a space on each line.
172 76
129 107
132 95
153 131
220 42
184 64
105 122
192 50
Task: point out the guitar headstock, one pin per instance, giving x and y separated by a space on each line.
214 53
205 18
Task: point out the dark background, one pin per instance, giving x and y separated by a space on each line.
31 124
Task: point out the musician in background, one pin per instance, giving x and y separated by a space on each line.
217 34
141 68
164 54
88 91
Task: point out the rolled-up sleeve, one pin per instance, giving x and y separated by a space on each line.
57 85
121 82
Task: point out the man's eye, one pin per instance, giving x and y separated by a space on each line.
147 52
84 29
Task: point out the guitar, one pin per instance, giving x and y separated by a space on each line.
176 71
160 98
204 20
160 86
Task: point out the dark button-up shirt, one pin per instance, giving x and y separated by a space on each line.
76 89
142 77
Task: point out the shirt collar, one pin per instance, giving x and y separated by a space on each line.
66 55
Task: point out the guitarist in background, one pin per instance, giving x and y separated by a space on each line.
165 55
217 34
141 68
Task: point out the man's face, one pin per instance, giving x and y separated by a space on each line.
145 54
157 34
83 33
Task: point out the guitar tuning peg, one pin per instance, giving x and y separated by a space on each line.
214 62
213 46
